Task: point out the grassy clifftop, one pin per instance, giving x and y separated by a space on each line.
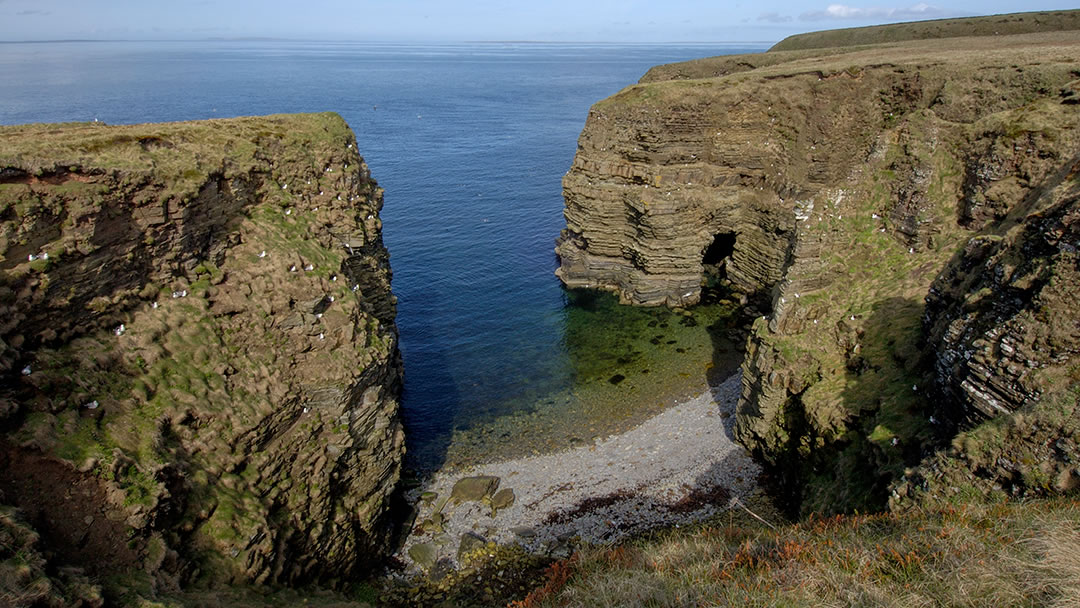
994 25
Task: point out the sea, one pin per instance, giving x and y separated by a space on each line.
470 142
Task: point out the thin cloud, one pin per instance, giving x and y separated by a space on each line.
32 12
774 18
842 11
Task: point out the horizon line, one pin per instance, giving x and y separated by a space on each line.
402 41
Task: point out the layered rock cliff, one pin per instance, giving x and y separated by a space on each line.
829 189
199 358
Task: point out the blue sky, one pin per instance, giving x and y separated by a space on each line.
460 20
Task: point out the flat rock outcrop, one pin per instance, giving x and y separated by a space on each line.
197 343
830 188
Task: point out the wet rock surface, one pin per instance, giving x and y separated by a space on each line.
196 325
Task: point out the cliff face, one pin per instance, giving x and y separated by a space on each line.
198 348
830 189
1002 318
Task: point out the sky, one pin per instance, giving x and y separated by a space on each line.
471 20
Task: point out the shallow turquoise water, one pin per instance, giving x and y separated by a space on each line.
470 142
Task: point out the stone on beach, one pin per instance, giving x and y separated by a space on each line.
502 499
677 467
476 488
423 555
470 541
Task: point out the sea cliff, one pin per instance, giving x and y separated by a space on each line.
845 197
197 343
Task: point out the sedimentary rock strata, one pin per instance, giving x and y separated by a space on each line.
1004 312
198 334
829 189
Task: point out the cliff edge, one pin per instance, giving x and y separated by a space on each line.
827 191
198 351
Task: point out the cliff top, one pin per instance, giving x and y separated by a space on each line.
1030 33
993 25
167 149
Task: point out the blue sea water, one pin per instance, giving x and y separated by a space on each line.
470 142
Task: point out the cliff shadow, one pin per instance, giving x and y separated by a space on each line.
887 379
728 338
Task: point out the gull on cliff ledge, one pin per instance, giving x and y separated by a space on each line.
26 371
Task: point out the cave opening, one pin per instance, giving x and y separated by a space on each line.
714 261
719 251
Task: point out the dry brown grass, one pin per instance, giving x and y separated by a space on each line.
1000 555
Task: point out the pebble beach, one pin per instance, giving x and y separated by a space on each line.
677 467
